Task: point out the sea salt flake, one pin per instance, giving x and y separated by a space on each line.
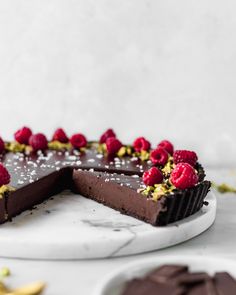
99 156
72 158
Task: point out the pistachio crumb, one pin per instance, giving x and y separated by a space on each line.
101 148
4 189
144 155
15 147
224 188
122 151
57 145
5 272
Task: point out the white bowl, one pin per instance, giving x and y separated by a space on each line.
115 282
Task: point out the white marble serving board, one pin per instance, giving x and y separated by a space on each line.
72 227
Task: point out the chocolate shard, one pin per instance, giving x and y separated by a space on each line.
191 279
206 288
225 284
167 272
147 287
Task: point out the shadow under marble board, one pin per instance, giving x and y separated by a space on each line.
72 227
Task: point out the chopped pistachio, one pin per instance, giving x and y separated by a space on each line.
57 145
122 151
157 195
83 149
28 149
91 144
157 191
144 155
101 148
5 272
168 166
3 289
224 188
129 150
147 190
31 289
162 189
4 189
15 147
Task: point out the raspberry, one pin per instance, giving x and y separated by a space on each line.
113 145
183 176
109 133
2 146
38 142
183 156
141 144
23 135
78 140
159 156
60 136
166 145
4 176
152 176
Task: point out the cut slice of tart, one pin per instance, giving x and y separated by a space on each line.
124 193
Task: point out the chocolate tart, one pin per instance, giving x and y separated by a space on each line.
112 181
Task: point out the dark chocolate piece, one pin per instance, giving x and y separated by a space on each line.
176 279
225 284
206 288
167 272
191 278
147 287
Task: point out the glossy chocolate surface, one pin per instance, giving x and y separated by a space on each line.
26 169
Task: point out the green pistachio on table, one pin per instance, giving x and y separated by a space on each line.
224 188
31 289
4 272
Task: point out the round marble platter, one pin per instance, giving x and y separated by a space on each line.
70 226
114 283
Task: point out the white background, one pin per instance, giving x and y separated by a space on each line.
162 69
158 68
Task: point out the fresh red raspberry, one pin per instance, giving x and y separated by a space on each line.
183 156
23 135
78 140
166 145
159 156
152 176
113 145
60 136
107 134
2 146
183 176
38 142
4 176
141 144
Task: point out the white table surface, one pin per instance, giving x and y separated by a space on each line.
80 277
